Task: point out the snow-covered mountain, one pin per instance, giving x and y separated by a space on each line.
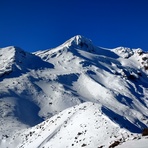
74 95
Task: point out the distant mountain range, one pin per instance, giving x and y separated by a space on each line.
72 96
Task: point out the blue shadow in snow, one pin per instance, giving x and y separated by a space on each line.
26 111
68 79
123 122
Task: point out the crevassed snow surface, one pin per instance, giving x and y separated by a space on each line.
77 94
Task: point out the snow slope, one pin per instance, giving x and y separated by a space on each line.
77 94
93 128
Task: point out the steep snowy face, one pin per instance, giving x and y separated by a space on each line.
14 59
7 57
70 46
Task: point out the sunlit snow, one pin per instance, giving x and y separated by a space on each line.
74 95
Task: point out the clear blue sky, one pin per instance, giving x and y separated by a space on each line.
41 24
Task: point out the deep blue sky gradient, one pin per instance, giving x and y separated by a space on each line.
41 24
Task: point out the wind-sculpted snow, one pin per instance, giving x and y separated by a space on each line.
77 94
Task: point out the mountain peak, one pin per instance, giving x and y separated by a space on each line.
79 39
123 52
13 58
7 57
80 42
